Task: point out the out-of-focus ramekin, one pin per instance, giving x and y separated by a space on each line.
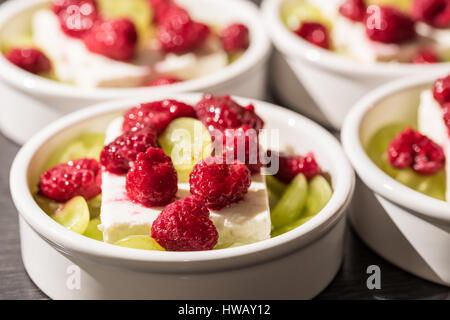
406 227
319 83
30 101
296 265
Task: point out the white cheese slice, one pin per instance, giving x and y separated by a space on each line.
350 38
244 222
441 36
74 63
191 65
431 123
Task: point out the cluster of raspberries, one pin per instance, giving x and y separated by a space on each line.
177 32
151 178
385 24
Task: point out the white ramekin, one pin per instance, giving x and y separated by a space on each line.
321 84
406 227
295 265
32 101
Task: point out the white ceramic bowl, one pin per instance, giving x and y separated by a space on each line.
319 83
295 265
406 227
34 101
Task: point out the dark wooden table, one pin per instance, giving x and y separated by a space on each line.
350 283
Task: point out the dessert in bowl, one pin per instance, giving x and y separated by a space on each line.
397 140
68 54
336 51
182 226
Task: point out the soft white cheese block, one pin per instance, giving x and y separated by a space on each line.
441 36
244 222
191 65
74 63
431 123
350 38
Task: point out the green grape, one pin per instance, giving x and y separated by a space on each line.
47 205
186 141
143 242
431 185
403 5
291 204
88 145
94 205
92 230
319 194
273 199
73 215
293 13
289 227
139 11
275 186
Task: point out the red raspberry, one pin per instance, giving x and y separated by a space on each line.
389 25
119 154
427 55
31 60
315 33
441 90
115 39
235 38
242 144
412 149
446 110
292 165
178 33
77 17
353 9
433 12
219 184
157 114
222 112
152 181
161 8
163 81
185 226
75 178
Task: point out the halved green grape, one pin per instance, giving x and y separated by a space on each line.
291 204
88 145
186 141
139 11
273 199
94 205
92 230
289 227
47 205
143 242
293 13
431 185
74 215
275 186
403 5
319 194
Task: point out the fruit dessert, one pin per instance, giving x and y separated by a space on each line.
123 43
416 154
167 175
406 31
